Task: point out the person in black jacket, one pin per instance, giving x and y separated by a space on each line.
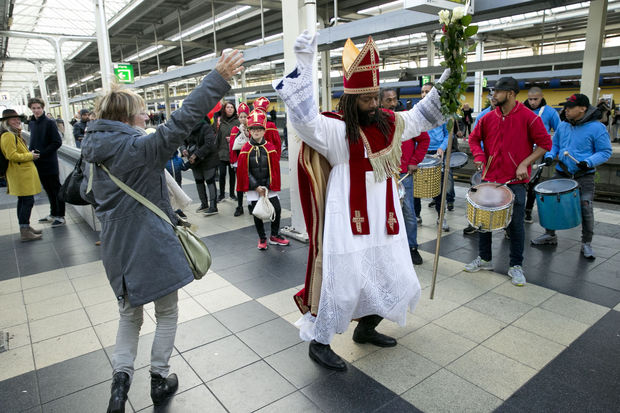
201 151
45 139
79 128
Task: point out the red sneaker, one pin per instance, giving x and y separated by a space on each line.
262 243
278 240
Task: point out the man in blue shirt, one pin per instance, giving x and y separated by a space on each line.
587 140
537 104
438 145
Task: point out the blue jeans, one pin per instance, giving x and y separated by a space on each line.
409 215
516 230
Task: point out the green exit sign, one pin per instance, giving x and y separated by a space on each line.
123 72
484 82
425 79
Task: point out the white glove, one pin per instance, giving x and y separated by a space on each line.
305 48
444 76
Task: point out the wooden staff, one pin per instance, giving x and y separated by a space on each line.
446 176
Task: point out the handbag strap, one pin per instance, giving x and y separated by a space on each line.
141 199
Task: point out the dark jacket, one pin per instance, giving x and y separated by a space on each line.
223 132
79 129
202 143
258 166
45 138
141 254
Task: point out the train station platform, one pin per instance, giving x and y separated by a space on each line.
481 345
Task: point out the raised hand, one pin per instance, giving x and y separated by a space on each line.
305 47
229 64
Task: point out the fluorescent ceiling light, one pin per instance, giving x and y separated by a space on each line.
209 23
87 78
267 39
383 7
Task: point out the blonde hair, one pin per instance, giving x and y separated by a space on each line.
119 104
5 127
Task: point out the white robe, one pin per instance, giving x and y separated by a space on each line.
362 274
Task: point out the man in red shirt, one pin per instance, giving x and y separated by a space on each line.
508 133
413 151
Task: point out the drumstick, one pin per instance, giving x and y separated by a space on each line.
569 155
486 168
403 178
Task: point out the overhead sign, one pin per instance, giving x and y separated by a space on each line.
484 82
424 80
124 72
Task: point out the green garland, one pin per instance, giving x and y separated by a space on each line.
454 46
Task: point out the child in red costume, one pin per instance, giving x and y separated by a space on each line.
239 136
258 174
271 131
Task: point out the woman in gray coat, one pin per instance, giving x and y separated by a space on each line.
142 256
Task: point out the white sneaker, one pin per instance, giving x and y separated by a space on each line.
48 218
516 273
479 264
444 226
586 250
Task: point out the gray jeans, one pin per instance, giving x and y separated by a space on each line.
586 192
166 314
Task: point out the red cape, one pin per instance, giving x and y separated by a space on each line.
243 181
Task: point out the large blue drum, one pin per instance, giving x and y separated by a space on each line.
559 203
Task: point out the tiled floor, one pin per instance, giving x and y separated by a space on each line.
480 345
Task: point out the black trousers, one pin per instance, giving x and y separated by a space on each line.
223 167
51 185
275 225
24 208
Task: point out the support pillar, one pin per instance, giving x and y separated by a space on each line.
167 100
478 77
103 46
31 90
430 52
62 89
297 16
41 79
595 34
326 86
243 86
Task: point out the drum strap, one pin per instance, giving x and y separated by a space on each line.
577 174
358 166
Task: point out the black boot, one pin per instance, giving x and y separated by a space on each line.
325 356
118 392
212 209
162 389
365 332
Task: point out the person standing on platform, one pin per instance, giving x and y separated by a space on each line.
468 119
226 121
79 128
413 151
239 135
537 104
259 175
142 255
21 174
509 133
359 264
271 135
45 139
437 147
586 139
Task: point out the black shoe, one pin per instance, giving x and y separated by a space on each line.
528 218
211 211
202 208
365 332
323 355
118 392
239 211
181 213
233 197
450 206
431 204
416 258
419 220
162 389
470 230
220 198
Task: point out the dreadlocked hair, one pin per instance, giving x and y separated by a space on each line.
348 107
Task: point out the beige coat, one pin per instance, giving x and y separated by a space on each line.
21 176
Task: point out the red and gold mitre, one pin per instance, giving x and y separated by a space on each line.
361 68
257 118
243 108
262 103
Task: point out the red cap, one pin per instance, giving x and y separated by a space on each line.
243 108
257 118
262 103
362 74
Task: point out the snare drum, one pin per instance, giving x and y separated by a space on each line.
458 160
489 207
427 178
559 203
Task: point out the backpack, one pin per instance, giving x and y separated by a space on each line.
4 163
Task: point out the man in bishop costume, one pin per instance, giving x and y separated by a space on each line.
359 266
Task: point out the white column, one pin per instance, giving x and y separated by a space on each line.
595 35
326 87
167 100
41 79
243 85
478 78
430 52
297 15
31 90
103 45
62 89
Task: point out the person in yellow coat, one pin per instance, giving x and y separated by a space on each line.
21 175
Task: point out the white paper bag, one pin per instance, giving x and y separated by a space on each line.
264 210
